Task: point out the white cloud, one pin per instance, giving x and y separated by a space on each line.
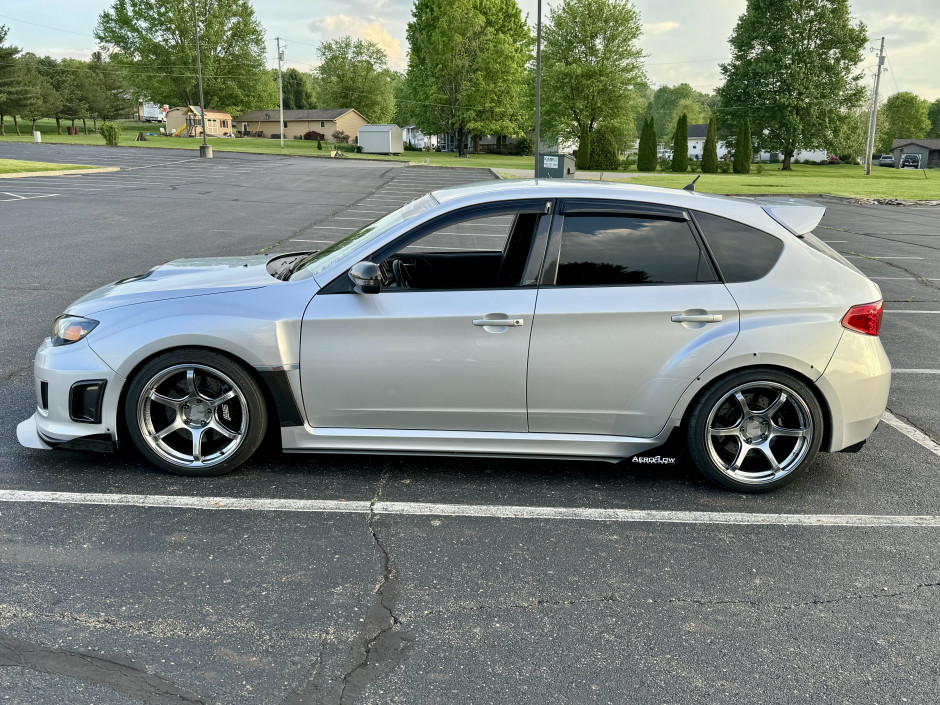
364 28
654 29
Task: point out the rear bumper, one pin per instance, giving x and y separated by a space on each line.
60 421
856 385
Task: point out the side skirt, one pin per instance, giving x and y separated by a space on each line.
304 439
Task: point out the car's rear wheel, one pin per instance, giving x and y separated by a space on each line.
755 430
195 412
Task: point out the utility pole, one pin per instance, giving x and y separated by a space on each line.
538 84
873 116
280 86
205 150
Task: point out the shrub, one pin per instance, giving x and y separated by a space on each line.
111 133
646 156
314 135
628 162
604 153
847 159
724 167
743 148
710 151
319 144
525 147
340 137
409 147
759 168
664 164
695 166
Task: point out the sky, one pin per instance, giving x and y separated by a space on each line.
684 40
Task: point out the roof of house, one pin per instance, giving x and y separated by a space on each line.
377 128
326 114
698 132
195 109
929 144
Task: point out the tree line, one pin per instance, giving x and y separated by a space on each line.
793 76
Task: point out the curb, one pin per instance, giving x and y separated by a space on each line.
60 172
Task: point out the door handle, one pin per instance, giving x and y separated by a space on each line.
697 318
496 322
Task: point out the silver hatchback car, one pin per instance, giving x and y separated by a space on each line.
518 318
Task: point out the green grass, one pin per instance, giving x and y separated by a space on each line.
303 148
18 166
839 180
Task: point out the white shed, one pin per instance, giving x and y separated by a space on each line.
381 139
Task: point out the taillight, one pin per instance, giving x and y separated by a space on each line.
864 318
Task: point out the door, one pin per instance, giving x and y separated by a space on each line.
444 344
629 314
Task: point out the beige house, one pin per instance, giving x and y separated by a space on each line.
264 123
186 121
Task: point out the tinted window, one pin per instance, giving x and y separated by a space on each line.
603 250
743 253
488 233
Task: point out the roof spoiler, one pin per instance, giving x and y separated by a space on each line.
797 215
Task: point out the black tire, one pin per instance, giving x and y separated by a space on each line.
754 447
195 412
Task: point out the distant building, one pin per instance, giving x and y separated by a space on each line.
380 139
929 151
186 121
265 123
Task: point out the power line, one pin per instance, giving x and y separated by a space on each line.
46 26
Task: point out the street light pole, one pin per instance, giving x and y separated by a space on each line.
280 87
538 84
205 150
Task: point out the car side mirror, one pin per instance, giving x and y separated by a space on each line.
365 278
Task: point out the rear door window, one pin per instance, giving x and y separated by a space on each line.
611 249
743 253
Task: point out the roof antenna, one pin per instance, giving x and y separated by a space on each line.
691 187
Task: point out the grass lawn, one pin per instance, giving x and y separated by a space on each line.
18 166
130 129
839 180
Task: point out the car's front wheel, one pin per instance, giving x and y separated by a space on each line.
755 430
195 412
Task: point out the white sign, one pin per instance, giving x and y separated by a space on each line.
550 162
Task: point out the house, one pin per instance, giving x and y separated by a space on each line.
380 139
186 121
698 133
413 136
264 123
929 151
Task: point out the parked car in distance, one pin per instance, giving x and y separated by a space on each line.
886 160
910 161
555 319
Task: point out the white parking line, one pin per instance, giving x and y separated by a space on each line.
916 435
17 197
915 372
881 257
901 310
470 510
906 279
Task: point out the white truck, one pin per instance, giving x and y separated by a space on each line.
151 112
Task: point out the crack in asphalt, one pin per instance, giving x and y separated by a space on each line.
920 279
909 422
380 645
121 677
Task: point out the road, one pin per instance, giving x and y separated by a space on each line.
798 595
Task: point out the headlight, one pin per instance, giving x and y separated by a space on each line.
71 329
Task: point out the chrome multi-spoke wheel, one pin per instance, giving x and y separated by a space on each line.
195 418
756 430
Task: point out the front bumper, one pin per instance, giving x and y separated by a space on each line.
60 421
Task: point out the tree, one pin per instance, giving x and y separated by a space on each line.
710 150
851 133
905 117
605 150
59 83
669 102
15 93
680 145
298 89
112 96
743 148
466 67
77 90
354 73
646 155
933 114
793 70
153 41
592 73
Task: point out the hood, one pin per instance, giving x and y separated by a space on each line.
178 279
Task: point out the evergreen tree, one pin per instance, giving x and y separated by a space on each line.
743 149
680 145
605 150
15 94
710 151
646 157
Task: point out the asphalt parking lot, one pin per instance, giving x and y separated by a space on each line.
518 586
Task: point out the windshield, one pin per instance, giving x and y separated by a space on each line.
319 261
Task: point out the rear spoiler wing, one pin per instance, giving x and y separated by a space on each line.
797 215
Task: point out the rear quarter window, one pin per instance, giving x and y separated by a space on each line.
743 253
